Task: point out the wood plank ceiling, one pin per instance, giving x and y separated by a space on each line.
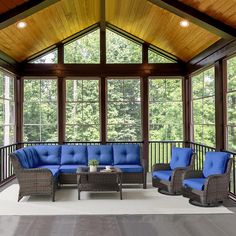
48 27
159 27
222 10
6 5
138 17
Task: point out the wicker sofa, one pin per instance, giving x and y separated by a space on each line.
39 169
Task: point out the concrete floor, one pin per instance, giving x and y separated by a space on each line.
121 225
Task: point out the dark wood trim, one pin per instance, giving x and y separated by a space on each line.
199 18
186 93
19 103
22 11
219 106
8 63
145 116
103 15
145 53
61 98
225 83
60 53
102 70
103 110
221 49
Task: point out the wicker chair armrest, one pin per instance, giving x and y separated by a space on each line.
35 172
144 164
216 180
161 166
191 174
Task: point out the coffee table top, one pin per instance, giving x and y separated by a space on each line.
100 170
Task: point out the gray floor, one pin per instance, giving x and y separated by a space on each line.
121 225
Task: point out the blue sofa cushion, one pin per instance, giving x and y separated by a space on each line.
126 154
49 166
71 169
102 153
22 157
197 183
162 174
130 168
32 157
74 155
180 157
49 154
215 163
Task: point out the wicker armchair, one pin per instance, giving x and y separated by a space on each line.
210 190
172 185
33 181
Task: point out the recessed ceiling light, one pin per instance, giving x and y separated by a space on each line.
184 23
21 24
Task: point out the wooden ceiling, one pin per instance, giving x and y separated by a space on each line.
137 17
6 5
48 27
159 27
222 10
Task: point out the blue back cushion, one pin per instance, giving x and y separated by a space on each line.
180 157
74 154
32 157
49 154
125 154
215 163
102 153
22 158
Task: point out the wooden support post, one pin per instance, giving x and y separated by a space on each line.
61 97
187 111
103 110
145 117
219 106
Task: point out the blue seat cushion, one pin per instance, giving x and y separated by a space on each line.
70 169
74 155
49 154
126 154
32 157
102 153
49 166
22 157
180 157
54 171
162 174
215 163
130 168
197 183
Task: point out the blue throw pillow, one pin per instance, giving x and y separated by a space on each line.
102 153
126 154
215 163
74 154
180 157
49 154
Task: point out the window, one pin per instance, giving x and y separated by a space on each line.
82 110
231 104
124 109
50 58
7 109
40 110
203 103
165 109
85 50
155 57
122 50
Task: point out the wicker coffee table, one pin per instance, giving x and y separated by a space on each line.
99 181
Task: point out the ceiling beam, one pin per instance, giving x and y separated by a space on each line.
22 11
199 18
221 49
8 63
